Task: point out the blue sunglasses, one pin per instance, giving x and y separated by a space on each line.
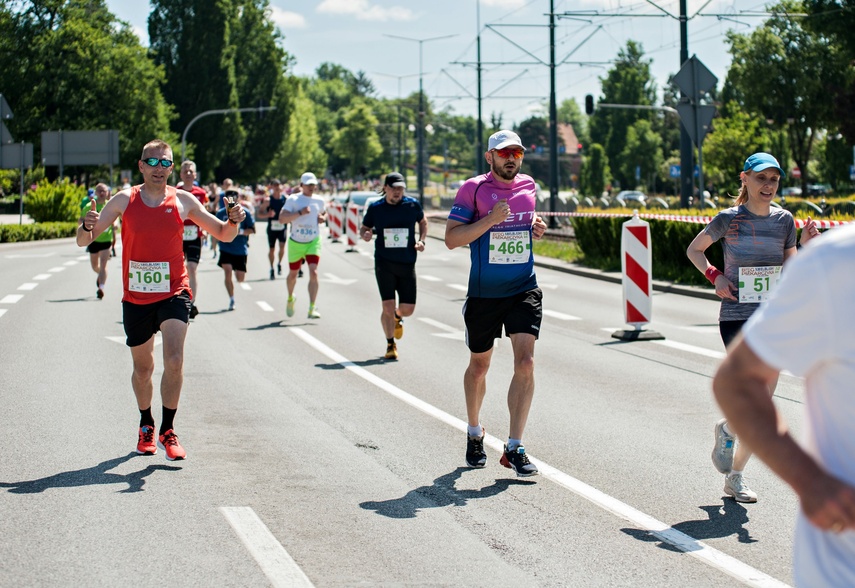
153 161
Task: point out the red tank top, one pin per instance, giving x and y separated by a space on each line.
152 250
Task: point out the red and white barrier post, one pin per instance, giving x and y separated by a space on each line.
636 265
336 216
352 226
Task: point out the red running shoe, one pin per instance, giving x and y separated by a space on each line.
169 443
146 445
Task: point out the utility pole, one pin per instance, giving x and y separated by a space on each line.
687 167
479 140
553 122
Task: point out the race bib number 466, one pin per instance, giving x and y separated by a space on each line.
510 247
148 276
756 283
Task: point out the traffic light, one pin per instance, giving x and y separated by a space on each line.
589 104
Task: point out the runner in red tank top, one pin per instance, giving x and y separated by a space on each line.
157 293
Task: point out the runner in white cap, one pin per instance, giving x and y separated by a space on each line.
305 212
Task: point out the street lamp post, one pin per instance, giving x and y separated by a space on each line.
217 111
420 137
400 158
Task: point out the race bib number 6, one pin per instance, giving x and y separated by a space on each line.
148 276
510 247
756 283
395 237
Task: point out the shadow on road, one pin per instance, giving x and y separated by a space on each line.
363 363
93 476
722 521
440 493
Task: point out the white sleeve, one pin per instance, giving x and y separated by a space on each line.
795 328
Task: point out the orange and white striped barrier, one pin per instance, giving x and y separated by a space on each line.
352 225
637 269
335 211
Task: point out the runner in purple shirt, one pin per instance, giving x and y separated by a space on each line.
494 214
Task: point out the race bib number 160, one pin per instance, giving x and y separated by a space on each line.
148 276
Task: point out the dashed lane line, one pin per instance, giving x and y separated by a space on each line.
264 306
28 286
276 563
689 545
11 298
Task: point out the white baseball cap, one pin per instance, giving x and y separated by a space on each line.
502 139
308 178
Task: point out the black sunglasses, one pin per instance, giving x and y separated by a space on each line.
153 161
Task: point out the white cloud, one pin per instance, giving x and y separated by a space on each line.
364 10
287 20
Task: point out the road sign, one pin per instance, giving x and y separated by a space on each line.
5 110
694 78
796 172
80 148
696 119
5 135
674 171
852 172
16 155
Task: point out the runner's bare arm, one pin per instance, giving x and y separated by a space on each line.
220 230
100 222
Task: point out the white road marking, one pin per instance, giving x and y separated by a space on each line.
27 255
460 287
689 545
73 262
11 298
691 348
55 270
336 280
83 258
245 286
450 332
279 567
28 286
2 311
560 315
429 278
547 286
42 276
264 306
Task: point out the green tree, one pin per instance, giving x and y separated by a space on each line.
596 174
300 149
71 65
356 141
628 82
643 151
192 41
735 135
261 77
570 113
768 70
835 157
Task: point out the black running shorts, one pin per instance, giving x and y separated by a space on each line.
193 250
238 262
396 277
485 317
97 246
142 321
729 330
273 236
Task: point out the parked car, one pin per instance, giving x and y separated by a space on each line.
632 195
361 198
791 191
817 189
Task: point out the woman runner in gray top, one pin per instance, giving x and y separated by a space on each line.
756 239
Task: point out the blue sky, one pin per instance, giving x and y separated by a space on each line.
514 44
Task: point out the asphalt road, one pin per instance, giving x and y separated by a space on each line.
313 461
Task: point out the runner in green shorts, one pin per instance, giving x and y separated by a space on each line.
304 212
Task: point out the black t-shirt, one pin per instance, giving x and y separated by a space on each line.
396 229
276 205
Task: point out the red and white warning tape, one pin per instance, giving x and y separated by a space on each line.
800 223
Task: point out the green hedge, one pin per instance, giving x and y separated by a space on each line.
36 232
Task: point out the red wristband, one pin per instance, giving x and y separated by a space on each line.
712 273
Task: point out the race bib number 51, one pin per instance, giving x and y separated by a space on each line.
510 247
148 276
756 283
